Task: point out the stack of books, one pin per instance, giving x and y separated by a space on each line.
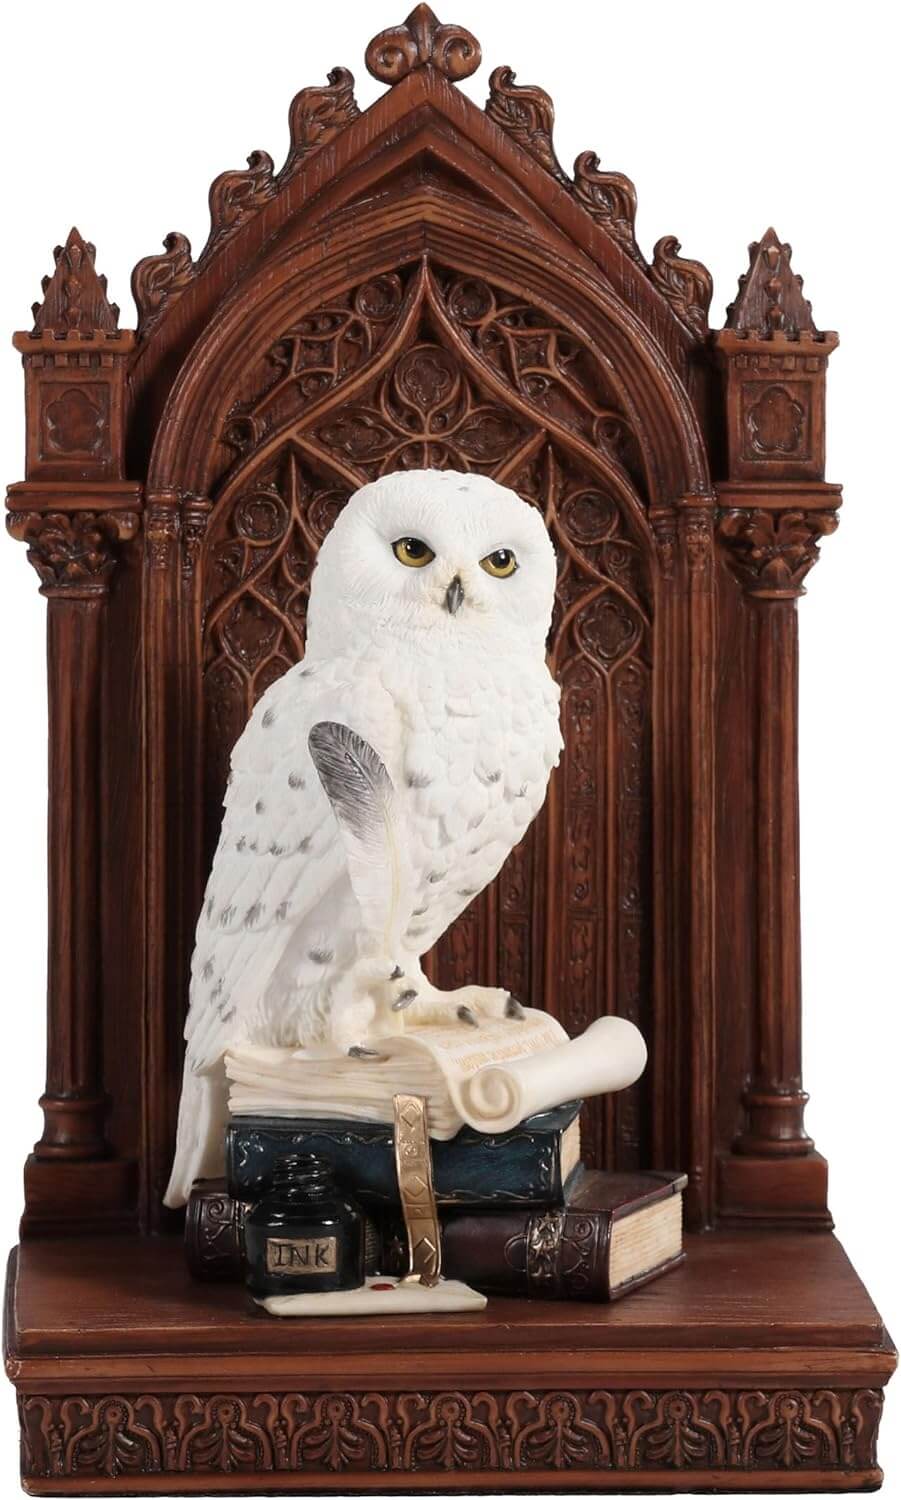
520 1215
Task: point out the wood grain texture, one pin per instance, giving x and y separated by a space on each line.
153 1375
425 283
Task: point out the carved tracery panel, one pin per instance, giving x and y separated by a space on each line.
423 367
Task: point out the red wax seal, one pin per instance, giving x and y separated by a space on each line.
382 1286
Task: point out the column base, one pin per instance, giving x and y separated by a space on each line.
766 1192
87 1197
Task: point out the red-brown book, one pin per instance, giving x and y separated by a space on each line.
615 1232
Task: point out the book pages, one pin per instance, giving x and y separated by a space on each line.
490 1078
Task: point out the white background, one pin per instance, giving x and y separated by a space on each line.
729 118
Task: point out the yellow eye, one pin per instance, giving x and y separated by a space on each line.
413 553
500 564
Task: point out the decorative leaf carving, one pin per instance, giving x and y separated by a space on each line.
664 1433
73 550
234 196
610 198
158 280
686 284
526 113
317 114
773 551
75 299
422 39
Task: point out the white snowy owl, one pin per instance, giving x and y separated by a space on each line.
377 788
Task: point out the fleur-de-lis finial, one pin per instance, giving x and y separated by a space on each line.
419 40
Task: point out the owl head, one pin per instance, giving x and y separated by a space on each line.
438 556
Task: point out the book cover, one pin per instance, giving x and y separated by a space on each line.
615 1232
530 1164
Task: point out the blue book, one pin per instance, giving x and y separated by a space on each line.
531 1164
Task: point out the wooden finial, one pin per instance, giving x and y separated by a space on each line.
770 294
422 39
75 299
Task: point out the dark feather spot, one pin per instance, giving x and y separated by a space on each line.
418 780
209 907
419 911
268 718
253 914
276 849
415 932
227 1015
281 911
468 893
259 805
207 970
241 845
296 781
217 989
226 915
436 875
494 776
320 955
304 844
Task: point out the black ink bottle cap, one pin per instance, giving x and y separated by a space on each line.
305 1176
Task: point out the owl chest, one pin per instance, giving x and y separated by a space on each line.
475 774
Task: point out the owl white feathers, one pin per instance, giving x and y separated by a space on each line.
377 788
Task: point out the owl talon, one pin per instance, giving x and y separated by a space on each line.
363 1052
466 1015
396 973
404 999
514 1010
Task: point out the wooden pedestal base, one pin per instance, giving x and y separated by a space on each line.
757 1366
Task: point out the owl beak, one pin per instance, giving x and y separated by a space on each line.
454 596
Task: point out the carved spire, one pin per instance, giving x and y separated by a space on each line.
422 39
770 294
75 299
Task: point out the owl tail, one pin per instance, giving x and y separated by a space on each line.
200 1138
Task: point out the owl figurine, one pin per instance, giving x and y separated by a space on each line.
377 788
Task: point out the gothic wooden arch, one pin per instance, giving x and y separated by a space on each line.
425 283
554 383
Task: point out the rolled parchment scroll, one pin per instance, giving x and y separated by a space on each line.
608 1056
489 1077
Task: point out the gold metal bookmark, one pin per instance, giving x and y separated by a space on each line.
413 1159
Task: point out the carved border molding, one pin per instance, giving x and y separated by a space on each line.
654 1433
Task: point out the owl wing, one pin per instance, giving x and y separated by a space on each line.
279 853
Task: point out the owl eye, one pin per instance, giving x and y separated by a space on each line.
412 552
500 564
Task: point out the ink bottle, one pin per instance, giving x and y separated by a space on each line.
305 1234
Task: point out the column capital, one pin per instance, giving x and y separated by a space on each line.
73 532
771 551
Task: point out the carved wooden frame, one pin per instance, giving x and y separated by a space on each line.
428 276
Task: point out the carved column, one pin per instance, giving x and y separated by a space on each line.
774 508
73 511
